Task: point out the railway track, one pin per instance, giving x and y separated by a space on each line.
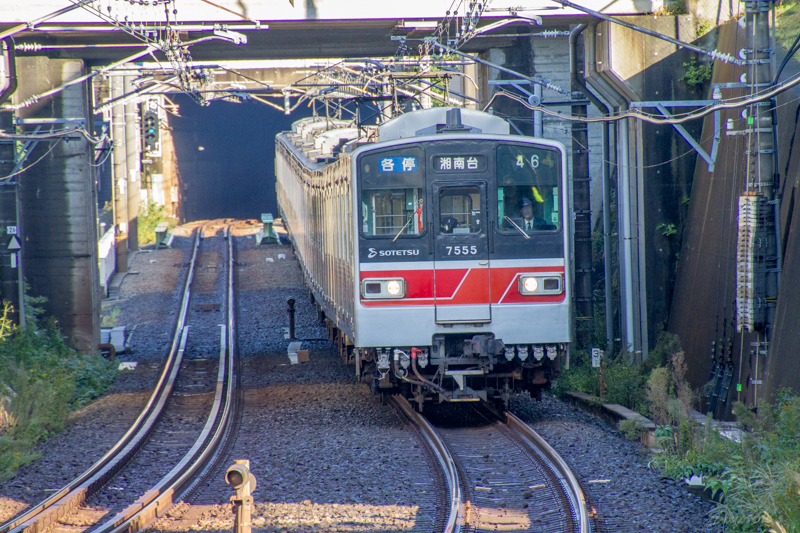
68 505
500 474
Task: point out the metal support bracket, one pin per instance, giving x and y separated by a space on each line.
711 158
22 152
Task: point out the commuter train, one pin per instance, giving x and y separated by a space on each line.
436 247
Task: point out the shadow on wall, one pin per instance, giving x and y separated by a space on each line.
226 157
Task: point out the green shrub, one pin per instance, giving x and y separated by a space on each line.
632 429
41 380
696 74
758 478
622 382
150 216
580 377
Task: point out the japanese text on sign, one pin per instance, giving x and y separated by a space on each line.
398 164
458 163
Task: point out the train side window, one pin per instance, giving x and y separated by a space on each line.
460 210
391 192
528 195
392 212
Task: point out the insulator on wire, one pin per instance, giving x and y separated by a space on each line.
28 47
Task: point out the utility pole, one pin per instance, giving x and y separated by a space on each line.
758 243
582 209
132 140
10 234
120 175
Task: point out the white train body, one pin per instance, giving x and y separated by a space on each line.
438 253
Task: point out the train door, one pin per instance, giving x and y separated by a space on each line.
461 254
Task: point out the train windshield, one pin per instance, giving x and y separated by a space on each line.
528 195
391 187
460 209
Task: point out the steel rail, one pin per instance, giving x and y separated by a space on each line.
159 499
42 515
455 518
562 471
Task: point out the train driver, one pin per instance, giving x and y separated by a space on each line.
527 220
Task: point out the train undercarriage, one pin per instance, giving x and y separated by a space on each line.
460 368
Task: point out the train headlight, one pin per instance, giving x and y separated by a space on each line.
530 285
383 288
540 284
393 287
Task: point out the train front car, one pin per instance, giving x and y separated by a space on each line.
462 259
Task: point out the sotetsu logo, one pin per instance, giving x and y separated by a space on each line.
389 253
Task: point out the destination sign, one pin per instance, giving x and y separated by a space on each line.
397 164
459 163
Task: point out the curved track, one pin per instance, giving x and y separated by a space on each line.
195 462
499 474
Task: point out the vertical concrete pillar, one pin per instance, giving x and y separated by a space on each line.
133 162
58 204
120 176
10 263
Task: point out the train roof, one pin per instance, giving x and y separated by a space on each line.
319 141
432 121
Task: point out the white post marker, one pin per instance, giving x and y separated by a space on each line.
597 353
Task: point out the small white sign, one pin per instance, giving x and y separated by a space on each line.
14 244
597 353
11 230
14 260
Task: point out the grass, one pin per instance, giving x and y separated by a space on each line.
757 479
787 23
41 381
150 216
623 383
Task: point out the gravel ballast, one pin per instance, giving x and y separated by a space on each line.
328 456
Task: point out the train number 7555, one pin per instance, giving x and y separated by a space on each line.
462 250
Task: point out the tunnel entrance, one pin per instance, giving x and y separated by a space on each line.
226 157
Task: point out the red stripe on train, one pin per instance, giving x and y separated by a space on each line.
451 287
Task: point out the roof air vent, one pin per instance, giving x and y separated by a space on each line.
454 124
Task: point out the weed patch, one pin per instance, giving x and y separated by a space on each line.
756 479
41 381
150 216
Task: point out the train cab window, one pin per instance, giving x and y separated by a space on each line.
391 193
460 210
392 212
528 195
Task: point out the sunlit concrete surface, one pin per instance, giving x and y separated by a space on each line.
266 10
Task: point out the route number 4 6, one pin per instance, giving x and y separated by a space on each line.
462 250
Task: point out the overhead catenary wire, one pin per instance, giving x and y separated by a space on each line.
20 171
714 54
733 103
789 54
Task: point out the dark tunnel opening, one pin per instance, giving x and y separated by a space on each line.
226 157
